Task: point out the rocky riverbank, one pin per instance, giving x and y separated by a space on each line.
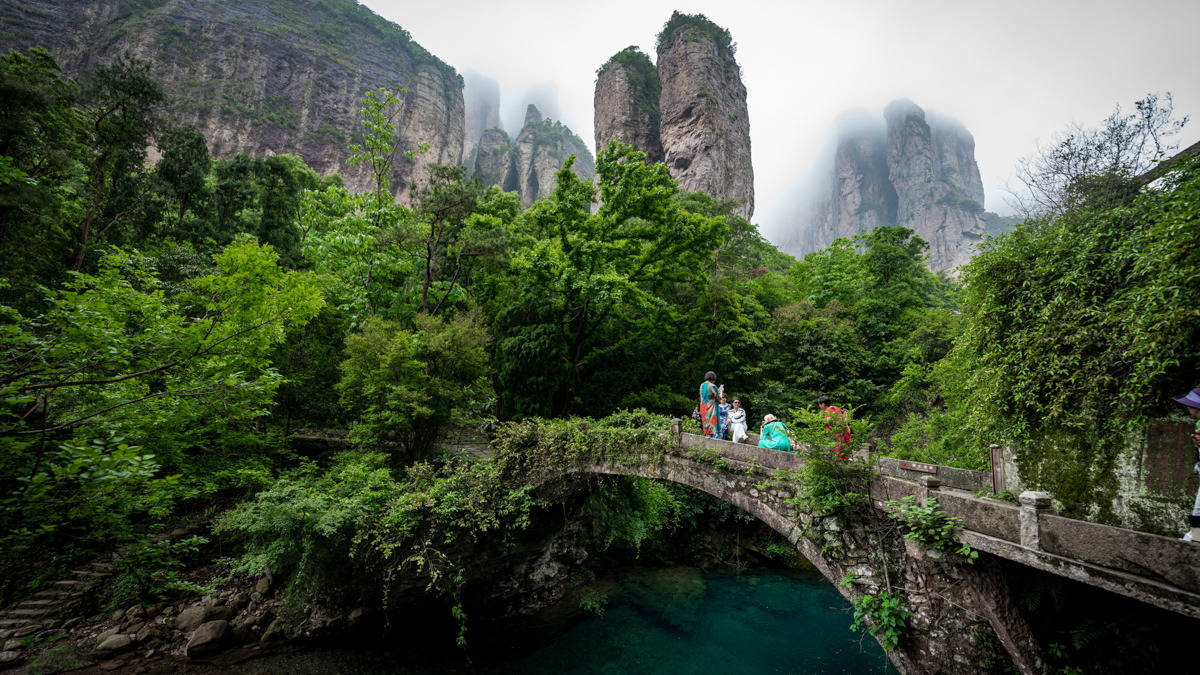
244 618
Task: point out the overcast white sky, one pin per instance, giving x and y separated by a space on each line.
1014 72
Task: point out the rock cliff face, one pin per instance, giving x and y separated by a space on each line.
529 163
705 128
626 103
263 76
940 194
494 160
540 151
860 196
903 169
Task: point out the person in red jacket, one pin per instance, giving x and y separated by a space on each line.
841 432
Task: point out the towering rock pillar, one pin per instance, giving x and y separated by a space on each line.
859 195
705 129
626 103
939 193
539 153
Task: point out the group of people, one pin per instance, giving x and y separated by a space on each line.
718 417
727 421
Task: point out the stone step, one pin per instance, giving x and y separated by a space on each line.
31 613
39 604
54 595
71 583
89 573
14 623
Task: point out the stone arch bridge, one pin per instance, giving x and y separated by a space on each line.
960 613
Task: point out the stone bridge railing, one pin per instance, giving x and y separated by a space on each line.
1161 571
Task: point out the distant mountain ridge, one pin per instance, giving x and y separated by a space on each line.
263 76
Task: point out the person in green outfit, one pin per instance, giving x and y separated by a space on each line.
774 435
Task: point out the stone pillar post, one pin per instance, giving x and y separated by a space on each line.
1032 504
929 487
676 430
998 478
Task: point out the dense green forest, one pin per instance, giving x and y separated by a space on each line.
167 326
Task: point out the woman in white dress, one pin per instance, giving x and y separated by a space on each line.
737 422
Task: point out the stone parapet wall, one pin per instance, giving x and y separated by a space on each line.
1155 482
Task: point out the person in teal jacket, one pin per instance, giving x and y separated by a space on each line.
774 435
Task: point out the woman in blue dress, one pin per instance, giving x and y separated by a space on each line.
723 419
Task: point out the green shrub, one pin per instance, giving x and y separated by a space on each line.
148 570
405 384
1077 327
884 614
827 484
928 524
701 25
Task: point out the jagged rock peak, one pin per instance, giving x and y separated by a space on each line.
704 127
494 163
255 76
539 153
904 168
626 103
529 163
532 114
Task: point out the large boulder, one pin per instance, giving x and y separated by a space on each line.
190 618
115 643
198 614
207 639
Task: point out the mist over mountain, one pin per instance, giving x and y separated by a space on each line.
481 96
902 167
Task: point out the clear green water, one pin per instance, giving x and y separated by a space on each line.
685 620
675 620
